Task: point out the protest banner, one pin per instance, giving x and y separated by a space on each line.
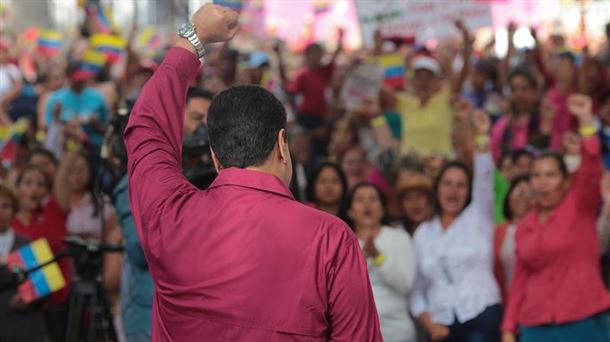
424 20
362 83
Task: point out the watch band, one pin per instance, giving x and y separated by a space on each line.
197 44
188 31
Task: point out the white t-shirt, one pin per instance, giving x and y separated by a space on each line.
9 73
391 283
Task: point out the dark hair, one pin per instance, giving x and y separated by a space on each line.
6 192
521 153
29 168
244 122
90 187
311 183
349 200
437 182
534 137
605 97
43 152
508 213
196 92
525 73
567 55
311 47
558 158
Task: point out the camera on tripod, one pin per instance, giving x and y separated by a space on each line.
87 255
197 159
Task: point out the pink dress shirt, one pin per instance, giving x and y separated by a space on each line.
241 261
557 274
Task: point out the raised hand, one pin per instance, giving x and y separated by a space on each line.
547 111
481 121
581 106
215 23
463 110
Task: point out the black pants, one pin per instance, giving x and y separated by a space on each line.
483 328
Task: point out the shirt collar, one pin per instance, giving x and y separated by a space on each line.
251 179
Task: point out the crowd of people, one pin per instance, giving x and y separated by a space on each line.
480 194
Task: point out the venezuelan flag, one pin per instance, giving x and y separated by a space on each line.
149 40
110 45
92 63
393 65
41 282
49 42
11 137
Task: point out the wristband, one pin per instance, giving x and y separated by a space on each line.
587 131
378 121
481 140
379 259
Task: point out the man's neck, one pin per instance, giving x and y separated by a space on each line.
268 170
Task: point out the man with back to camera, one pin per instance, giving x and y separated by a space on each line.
241 261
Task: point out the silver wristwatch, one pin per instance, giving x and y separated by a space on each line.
187 30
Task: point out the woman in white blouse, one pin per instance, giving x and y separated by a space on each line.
456 297
390 260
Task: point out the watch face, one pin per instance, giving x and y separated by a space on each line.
185 30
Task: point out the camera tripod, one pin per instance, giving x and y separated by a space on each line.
89 317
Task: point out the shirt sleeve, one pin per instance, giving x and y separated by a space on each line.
352 312
398 271
482 187
516 294
589 176
417 299
153 139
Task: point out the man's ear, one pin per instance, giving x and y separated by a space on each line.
217 164
282 144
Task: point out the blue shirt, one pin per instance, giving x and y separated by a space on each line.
88 102
136 283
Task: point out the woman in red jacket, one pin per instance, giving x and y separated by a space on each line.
557 291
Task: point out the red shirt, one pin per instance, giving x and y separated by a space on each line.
241 261
557 276
312 84
49 222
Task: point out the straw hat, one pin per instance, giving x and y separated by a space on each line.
417 181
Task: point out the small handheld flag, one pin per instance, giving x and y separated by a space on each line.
110 45
49 42
42 282
91 64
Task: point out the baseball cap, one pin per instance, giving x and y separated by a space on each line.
257 59
427 63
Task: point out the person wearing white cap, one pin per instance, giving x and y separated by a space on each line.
427 114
